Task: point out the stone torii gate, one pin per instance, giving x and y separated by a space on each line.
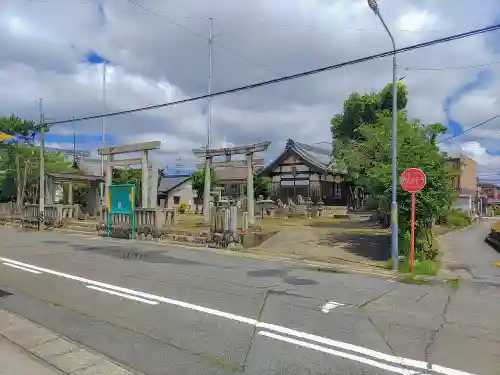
248 150
149 174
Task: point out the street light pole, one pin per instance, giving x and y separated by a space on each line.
394 204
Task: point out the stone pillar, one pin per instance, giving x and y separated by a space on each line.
250 199
109 178
206 191
153 186
70 192
145 179
233 220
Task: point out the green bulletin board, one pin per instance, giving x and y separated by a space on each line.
121 200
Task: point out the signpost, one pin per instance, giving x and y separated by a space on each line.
413 180
121 200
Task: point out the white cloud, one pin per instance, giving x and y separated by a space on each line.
157 61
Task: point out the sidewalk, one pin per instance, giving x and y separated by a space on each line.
28 349
16 360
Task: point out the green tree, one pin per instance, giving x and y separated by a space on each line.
369 164
130 176
386 97
18 158
21 166
362 109
261 186
198 181
23 130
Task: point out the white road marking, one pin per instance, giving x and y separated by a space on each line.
170 301
330 305
352 357
21 268
123 295
291 332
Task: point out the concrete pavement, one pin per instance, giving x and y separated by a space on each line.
466 250
26 349
173 310
15 360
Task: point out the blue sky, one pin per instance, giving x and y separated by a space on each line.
85 141
482 79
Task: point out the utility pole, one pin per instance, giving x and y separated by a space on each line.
41 203
208 160
103 125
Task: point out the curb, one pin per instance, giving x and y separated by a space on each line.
57 351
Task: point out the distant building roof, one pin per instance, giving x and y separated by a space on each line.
171 182
318 157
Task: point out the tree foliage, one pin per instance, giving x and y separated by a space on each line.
365 152
20 161
21 166
361 109
198 181
23 130
261 186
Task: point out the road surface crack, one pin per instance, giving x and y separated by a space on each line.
381 334
259 316
432 339
377 297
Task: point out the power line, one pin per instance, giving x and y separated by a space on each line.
453 67
469 129
287 78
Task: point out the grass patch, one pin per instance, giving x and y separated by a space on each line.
421 267
453 282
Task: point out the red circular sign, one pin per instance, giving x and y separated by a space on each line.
413 180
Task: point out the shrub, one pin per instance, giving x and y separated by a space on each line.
183 207
454 217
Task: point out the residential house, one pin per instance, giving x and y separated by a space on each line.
175 190
303 169
492 191
464 181
234 178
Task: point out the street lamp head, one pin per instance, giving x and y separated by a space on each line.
373 5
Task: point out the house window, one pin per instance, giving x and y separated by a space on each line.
337 190
177 199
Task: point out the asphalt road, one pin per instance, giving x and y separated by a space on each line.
169 310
